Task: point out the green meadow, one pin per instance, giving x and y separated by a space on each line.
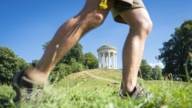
99 89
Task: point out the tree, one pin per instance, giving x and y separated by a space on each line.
90 61
157 73
174 53
75 53
146 70
188 66
9 64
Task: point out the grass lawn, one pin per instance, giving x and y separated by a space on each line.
99 89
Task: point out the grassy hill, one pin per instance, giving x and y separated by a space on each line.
99 89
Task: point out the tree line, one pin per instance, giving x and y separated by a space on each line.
74 61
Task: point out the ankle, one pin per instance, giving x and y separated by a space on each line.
128 87
37 76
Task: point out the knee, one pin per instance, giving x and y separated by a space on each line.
142 26
92 20
146 26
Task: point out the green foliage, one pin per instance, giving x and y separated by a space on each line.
75 53
175 51
149 73
34 63
6 94
9 64
59 72
76 66
146 70
72 62
157 73
90 61
188 67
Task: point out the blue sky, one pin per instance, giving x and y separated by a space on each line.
25 25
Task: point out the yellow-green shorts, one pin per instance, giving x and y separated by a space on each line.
119 6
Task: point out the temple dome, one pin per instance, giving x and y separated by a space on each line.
105 47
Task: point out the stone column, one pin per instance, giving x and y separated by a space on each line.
109 59
113 60
105 60
101 60
99 57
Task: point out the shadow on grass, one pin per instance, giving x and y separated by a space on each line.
6 102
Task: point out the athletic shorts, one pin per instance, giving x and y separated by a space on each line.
119 6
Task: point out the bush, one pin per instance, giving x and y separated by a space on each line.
9 64
59 72
76 67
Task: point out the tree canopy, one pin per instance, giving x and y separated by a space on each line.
9 64
176 52
148 72
75 53
90 61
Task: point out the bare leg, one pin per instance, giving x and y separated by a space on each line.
65 38
140 26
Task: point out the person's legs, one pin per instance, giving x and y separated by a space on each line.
140 26
65 38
